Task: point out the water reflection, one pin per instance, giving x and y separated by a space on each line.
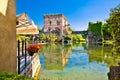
77 61
103 53
55 56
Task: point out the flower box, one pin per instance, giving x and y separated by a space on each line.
34 49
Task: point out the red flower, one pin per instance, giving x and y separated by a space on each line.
34 48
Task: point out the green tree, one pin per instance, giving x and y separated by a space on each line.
95 27
51 37
42 37
74 38
39 28
67 37
79 37
113 22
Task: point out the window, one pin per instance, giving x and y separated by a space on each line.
17 22
58 23
50 22
49 29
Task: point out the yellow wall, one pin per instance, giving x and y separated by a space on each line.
8 36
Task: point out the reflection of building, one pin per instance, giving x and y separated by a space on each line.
55 23
55 61
55 58
114 73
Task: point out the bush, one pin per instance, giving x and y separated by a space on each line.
11 76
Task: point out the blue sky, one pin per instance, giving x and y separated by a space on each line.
77 12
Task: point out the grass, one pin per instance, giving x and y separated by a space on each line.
11 76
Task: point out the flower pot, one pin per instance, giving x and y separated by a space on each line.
31 53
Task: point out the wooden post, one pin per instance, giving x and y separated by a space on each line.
22 47
25 55
18 57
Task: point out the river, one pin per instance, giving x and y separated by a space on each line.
79 61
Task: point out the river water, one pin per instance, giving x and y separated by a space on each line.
79 61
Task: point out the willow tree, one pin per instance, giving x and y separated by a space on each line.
113 22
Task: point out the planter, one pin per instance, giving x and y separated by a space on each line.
31 53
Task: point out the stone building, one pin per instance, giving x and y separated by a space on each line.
56 23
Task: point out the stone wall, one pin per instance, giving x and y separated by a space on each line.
8 49
53 23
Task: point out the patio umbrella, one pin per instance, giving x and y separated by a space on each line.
24 25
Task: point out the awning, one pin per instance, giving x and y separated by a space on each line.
25 25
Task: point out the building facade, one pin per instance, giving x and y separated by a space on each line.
8 50
55 23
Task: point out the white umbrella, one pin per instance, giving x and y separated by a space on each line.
25 25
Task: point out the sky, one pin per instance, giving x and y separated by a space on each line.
77 12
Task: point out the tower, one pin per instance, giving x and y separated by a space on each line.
56 24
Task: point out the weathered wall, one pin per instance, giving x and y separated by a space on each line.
8 36
53 22
53 19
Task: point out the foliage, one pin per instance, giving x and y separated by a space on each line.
113 22
106 32
22 37
46 37
95 27
67 37
42 37
69 28
39 28
74 38
11 76
51 37
77 38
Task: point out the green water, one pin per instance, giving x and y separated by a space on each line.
77 61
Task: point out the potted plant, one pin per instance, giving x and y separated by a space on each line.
34 49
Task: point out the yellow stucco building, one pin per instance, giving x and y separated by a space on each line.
8 60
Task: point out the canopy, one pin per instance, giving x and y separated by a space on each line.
25 25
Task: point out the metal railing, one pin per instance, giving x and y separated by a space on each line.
26 65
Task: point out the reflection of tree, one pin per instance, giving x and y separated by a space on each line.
80 44
95 53
112 58
55 56
103 53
